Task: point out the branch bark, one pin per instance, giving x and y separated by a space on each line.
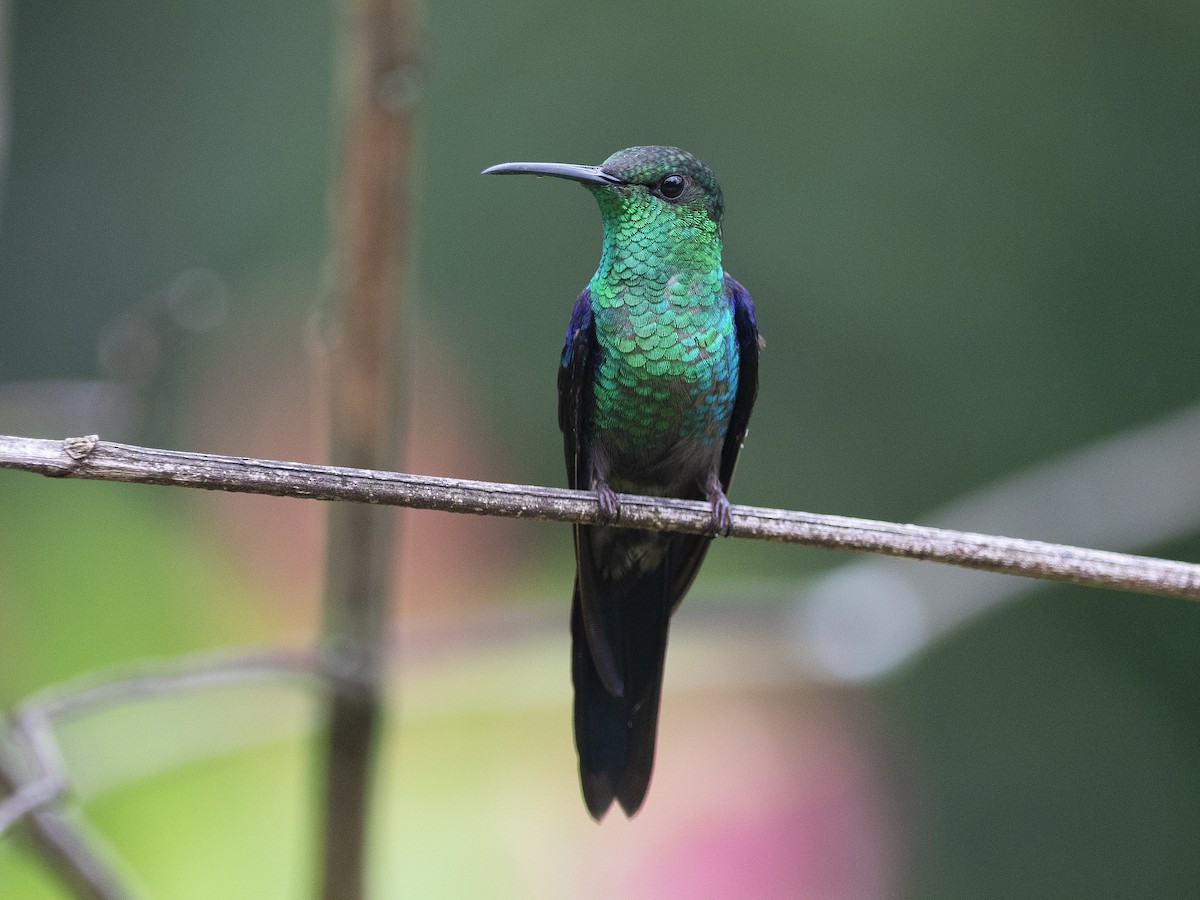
35 788
65 848
31 730
102 460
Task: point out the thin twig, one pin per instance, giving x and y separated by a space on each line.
36 784
31 729
27 796
94 459
65 846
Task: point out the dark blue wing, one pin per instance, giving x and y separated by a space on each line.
748 344
575 391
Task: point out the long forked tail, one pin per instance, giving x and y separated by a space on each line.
615 734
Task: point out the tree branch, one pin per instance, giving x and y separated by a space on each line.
64 847
37 785
32 728
377 90
102 460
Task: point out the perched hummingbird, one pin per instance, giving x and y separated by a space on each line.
658 375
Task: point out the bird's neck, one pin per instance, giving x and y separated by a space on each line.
645 247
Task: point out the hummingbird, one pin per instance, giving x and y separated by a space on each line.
657 377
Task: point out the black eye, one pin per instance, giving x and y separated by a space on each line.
672 186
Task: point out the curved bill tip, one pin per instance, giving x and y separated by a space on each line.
583 174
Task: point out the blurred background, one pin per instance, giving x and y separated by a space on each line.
971 232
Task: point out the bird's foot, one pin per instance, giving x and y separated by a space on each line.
722 510
610 506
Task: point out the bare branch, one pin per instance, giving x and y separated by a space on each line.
377 91
200 671
66 848
37 782
27 796
93 459
31 730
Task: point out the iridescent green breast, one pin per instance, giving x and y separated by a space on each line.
667 364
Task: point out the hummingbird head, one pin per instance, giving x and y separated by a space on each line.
656 175
654 182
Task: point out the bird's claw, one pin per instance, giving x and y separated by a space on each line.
610 506
722 513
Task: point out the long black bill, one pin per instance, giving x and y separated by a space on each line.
584 174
